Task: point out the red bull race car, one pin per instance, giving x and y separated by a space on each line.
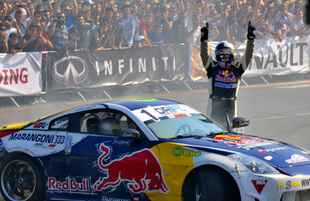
146 149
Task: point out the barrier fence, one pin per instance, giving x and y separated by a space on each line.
25 74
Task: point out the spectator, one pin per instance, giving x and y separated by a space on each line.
39 8
102 37
141 42
156 35
44 22
58 32
270 16
18 5
145 25
178 29
69 13
192 32
284 16
47 14
129 25
44 42
219 7
8 22
166 24
108 17
86 11
231 24
3 8
298 27
36 19
19 22
83 32
31 8
73 39
3 42
30 39
13 44
279 32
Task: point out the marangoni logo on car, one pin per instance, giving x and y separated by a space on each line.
140 169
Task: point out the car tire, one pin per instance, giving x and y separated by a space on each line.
209 184
21 179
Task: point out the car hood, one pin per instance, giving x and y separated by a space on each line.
288 157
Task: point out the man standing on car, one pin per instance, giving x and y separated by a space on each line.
225 74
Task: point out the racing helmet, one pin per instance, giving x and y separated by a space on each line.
225 54
109 126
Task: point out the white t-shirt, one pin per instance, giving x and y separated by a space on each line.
9 31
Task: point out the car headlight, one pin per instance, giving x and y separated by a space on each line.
254 164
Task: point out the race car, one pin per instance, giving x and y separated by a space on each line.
146 149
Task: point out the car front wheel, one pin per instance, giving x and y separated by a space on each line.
21 179
209 184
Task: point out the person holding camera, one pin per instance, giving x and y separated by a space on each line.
30 40
58 32
225 74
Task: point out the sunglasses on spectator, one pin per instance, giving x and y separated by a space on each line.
61 17
67 10
2 29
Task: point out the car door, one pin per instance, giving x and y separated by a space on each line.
103 165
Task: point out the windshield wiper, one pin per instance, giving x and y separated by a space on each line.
187 136
217 133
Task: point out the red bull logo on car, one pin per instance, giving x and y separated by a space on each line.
140 170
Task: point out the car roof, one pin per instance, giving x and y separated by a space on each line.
133 104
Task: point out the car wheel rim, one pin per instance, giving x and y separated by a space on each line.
18 180
198 190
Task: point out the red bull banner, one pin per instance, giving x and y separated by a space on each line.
20 74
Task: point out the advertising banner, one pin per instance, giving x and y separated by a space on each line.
115 67
272 57
20 74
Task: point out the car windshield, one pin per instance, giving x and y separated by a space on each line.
186 126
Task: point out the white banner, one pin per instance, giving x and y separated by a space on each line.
20 74
272 57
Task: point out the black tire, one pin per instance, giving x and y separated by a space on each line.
210 184
21 179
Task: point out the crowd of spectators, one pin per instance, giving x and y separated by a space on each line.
57 25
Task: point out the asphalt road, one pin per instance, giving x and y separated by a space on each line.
277 111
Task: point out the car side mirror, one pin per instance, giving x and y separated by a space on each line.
238 122
129 133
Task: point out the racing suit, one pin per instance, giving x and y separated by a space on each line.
224 83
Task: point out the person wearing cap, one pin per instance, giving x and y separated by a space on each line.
3 42
141 42
13 44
